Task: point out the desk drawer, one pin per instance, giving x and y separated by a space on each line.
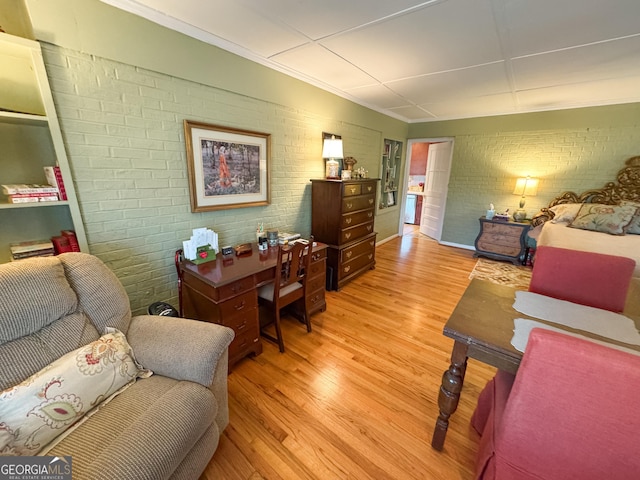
245 342
317 269
220 294
239 304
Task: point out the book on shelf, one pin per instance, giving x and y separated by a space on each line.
61 244
73 240
31 248
54 178
32 197
26 188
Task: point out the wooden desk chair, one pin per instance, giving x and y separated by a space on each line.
288 286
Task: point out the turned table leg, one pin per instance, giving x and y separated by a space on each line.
449 395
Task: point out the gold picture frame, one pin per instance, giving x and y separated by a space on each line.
227 167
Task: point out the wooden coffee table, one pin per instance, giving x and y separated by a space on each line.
482 327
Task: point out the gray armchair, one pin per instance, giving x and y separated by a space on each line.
165 426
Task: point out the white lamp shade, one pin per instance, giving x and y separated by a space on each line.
332 148
526 187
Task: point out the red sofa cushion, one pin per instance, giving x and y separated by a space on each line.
587 278
571 414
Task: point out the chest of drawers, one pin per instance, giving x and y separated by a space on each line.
343 215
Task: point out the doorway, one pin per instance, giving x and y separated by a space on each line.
426 184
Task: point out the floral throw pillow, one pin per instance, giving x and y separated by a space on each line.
612 219
565 212
634 225
44 406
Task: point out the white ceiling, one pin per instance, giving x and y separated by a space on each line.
430 60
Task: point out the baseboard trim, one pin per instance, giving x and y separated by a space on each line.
458 245
388 239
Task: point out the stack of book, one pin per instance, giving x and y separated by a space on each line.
284 237
30 193
33 248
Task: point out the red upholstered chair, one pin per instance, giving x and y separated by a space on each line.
592 279
571 414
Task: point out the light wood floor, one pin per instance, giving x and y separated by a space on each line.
357 397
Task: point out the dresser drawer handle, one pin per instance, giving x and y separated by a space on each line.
349 253
372 243
348 220
353 190
349 206
347 235
369 227
371 201
370 214
241 327
239 306
316 256
369 187
370 256
347 268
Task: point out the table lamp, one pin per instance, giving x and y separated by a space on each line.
525 187
331 150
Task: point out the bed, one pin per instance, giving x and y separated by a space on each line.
605 220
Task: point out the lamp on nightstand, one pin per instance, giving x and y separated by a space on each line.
525 187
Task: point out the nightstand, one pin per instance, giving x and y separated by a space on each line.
502 240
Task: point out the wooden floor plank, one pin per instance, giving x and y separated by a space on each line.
357 397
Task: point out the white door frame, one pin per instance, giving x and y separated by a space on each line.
405 181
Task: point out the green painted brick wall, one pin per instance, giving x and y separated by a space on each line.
570 150
123 130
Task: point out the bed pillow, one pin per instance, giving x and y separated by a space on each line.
612 219
565 212
50 402
634 225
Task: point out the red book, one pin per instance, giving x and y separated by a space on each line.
54 178
73 240
61 244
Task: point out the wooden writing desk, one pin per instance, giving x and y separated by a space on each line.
225 291
482 327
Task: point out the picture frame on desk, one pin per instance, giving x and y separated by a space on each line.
227 167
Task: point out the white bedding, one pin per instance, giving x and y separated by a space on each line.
562 236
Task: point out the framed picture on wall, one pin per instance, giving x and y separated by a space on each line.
227 167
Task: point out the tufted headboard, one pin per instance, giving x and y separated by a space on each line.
627 187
